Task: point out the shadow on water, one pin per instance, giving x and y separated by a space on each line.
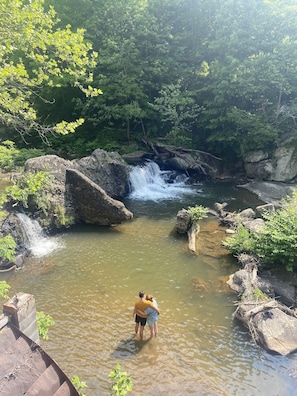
129 347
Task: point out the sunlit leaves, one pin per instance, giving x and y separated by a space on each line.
33 55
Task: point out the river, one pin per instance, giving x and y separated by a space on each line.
89 282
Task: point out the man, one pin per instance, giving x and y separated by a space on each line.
140 318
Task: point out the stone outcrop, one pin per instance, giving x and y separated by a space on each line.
103 175
280 166
108 170
76 193
91 203
270 192
264 302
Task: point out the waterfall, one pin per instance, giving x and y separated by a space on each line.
148 182
34 237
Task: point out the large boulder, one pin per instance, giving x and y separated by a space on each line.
276 330
92 204
280 166
108 170
107 176
55 192
270 192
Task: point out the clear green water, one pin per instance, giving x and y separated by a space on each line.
89 286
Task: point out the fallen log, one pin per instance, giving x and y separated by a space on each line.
192 235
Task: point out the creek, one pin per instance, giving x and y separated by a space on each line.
89 279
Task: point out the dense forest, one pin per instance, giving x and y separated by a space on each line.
218 76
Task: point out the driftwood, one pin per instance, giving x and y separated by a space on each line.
192 235
271 324
183 159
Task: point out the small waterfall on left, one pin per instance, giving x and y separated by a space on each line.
35 239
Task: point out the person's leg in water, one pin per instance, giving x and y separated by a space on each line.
155 328
141 332
136 328
152 331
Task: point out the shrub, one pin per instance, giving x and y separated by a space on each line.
197 212
7 247
7 154
79 385
243 241
30 186
277 242
24 154
121 382
44 322
4 287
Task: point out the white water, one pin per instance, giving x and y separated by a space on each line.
35 239
148 182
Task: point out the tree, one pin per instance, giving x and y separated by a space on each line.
179 109
33 55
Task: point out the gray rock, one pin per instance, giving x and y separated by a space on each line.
92 204
254 225
277 331
106 169
280 166
183 221
270 192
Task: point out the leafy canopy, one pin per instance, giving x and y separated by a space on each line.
33 54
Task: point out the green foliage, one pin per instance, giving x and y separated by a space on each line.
121 382
4 287
7 247
197 212
61 219
44 322
24 154
259 295
33 54
30 186
243 241
217 76
7 155
79 385
277 242
177 107
11 157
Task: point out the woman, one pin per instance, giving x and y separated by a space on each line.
152 316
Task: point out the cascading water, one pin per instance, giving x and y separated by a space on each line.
34 237
148 182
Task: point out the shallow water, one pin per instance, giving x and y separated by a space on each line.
89 286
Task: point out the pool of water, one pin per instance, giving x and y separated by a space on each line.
90 283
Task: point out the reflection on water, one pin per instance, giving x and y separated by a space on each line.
90 286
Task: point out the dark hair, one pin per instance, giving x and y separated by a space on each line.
141 294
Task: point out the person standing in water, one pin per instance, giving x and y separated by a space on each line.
140 317
152 316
